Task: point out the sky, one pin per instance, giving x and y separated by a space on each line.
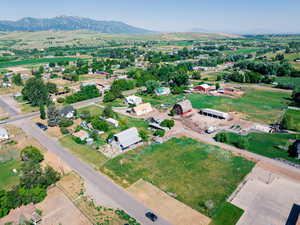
232 16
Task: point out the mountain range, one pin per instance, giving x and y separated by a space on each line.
61 23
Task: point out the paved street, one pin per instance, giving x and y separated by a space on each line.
102 185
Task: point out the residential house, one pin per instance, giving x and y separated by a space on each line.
127 138
6 85
113 122
183 108
133 100
68 112
4 135
82 135
142 109
162 91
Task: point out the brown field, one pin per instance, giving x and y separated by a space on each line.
171 209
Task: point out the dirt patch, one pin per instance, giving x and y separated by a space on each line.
15 215
56 163
164 205
57 208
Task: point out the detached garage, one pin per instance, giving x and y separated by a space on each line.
214 113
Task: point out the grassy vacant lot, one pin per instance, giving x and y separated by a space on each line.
292 118
266 144
256 105
84 152
35 61
202 176
7 177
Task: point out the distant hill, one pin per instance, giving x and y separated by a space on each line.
68 23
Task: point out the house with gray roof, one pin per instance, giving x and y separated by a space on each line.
127 138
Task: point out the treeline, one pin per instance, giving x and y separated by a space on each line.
249 77
269 68
33 185
85 92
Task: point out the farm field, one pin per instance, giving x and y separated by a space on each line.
266 144
255 105
200 175
35 61
7 177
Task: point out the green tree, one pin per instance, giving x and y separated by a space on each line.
51 87
100 125
42 112
296 95
31 153
17 79
53 116
217 86
151 85
144 135
159 133
168 123
108 112
36 92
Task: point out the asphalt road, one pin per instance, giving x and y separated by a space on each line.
102 184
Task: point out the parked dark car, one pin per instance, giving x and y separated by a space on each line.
42 126
151 216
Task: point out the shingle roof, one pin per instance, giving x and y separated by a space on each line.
128 137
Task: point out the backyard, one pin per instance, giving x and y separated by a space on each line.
292 120
199 175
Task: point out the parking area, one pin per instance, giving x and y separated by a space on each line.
267 198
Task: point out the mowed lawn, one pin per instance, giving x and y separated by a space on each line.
199 174
256 105
7 177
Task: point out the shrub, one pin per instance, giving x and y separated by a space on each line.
100 125
64 130
159 133
60 100
31 153
143 134
65 122
167 123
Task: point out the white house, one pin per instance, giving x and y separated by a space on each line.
133 100
162 91
143 109
113 122
3 134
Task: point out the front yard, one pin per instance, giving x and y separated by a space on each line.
199 175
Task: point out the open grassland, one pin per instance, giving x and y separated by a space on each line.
265 144
201 176
36 61
292 118
7 177
45 39
255 105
